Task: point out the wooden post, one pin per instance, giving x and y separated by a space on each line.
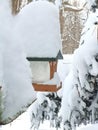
53 68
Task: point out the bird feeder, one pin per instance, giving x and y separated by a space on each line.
42 43
44 71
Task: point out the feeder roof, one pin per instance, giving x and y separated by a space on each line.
39 30
59 56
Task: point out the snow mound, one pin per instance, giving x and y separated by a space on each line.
16 91
39 29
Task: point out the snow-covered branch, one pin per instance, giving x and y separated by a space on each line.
80 95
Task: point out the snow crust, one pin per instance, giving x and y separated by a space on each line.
39 29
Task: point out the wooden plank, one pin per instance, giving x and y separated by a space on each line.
53 68
46 87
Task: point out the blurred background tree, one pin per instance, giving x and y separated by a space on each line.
71 26
18 4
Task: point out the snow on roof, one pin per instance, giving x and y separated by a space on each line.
39 29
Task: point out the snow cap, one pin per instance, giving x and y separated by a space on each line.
39 29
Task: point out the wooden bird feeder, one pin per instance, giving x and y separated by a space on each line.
42 43
49 68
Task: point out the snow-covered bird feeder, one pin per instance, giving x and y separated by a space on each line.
40 28
45 76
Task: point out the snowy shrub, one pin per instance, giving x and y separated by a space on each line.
80 100
46 107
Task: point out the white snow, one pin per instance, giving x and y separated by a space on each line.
24 124
64 66
4 14
15 74
66 90
88 127
54 81
39 29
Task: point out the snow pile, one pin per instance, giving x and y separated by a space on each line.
80 96
39 30
17 92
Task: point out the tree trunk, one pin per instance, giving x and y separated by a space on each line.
16 6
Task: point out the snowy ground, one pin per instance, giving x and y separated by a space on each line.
23 123
89 127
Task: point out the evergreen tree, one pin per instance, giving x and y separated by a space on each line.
82 82
46 109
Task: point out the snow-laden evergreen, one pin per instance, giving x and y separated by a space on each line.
46 107
80 95
16 91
